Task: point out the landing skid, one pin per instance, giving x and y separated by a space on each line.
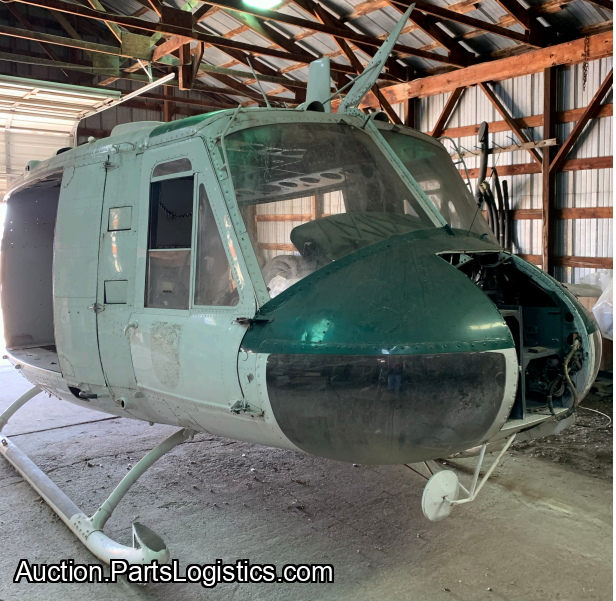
147 545
441 493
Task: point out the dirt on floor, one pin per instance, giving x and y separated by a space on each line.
587 445
539 530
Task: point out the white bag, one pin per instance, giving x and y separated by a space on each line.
278 284
604 312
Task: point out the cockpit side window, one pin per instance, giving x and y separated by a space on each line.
169 243
214 283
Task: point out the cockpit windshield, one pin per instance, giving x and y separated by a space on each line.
438 177
312 193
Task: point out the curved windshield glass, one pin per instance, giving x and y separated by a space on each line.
312 193
431 166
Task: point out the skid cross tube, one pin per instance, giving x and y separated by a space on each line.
18 404
90 530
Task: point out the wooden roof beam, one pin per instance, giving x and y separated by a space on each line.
452 101
115 30
458 55
510 120
324 17
592 110
449 15
25 23
534 61
218 41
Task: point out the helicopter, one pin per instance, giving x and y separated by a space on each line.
303 279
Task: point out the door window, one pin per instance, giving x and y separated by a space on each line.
214 283
169 243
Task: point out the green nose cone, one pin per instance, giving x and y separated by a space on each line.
394 297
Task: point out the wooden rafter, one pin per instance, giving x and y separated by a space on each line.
236 5
458 55
450 105
141 24
201 13
577 213
394 71
445 14
241 90
569 165
115 30
568 53
591 111
168 47
25 23
462 7
517 12
323 15
156 6
571 261
607 110
509 119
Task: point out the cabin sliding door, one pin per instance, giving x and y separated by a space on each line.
75 269
116 270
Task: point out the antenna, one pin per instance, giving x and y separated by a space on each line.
364 82
258 83
350 83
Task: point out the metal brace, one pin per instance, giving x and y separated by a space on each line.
475 488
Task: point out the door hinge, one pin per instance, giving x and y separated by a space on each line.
249 321
96 307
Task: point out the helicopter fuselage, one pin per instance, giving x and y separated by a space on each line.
138 279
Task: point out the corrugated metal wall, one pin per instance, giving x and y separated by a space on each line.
523 96
591 188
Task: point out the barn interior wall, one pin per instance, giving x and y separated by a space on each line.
523 97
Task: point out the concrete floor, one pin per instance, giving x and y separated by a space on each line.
539 530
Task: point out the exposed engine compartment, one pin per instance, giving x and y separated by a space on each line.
542 327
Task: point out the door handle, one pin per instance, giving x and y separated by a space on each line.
96 307
133 324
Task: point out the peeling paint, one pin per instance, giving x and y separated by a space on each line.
165 351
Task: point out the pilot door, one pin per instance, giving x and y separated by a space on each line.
75 267
189 280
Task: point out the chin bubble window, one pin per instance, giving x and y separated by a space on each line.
169 243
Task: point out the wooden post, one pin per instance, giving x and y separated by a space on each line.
410 112
548 175
318 206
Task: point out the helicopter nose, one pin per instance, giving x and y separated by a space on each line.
387 355
391 409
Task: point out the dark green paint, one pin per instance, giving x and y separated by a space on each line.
558 292
395 297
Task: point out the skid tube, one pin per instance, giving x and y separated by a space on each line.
147 545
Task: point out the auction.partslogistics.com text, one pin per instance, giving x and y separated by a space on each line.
209 575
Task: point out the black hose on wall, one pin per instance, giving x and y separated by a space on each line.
483 164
